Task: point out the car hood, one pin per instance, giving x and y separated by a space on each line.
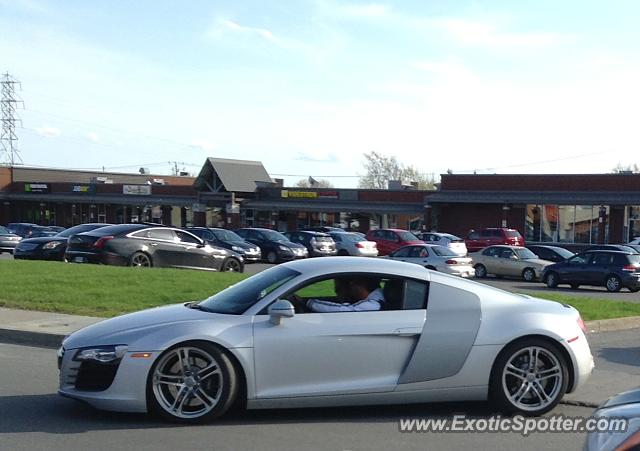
118 330
538 261
290 244
242 244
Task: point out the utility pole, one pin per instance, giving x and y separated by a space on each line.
8 106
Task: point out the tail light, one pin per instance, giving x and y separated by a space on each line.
631 268
102 241
451 262
583 327
359 245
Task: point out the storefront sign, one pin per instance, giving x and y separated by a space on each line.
299 194
36 187
84 189
137 190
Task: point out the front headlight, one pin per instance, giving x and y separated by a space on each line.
102 354
236 248
284 248
51 245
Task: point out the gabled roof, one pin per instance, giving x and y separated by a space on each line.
240 176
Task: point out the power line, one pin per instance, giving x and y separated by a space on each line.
8 106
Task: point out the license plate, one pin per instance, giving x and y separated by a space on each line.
79 259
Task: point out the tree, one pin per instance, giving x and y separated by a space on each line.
381 168
629 168
313 183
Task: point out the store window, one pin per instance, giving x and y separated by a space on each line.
568 223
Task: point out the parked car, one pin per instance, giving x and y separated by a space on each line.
625 406
323 229
349 243
8 240
479 239
388 240
318 244
553 254
274 246
456 244
437 338
22 229
147 245
612 247
436 258
57 228
51 247
611 269
42 231
514 261
229 240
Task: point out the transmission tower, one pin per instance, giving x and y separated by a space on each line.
8 106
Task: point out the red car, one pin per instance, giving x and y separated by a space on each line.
388 240
479 239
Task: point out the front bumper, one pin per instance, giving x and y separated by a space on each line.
582 360
319 252
460 271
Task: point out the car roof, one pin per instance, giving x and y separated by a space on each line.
321 266
506 246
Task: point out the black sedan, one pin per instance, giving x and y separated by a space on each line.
228 240
275 247
318 244
8 240
148 245
51 247
611 269
554 254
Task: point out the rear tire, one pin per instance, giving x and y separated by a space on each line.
343 252
529 377
529 275
231 265
481 271
140 260
612 283
552 280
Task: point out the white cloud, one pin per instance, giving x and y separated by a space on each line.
224 26
48 131
477 33
92 136
203 144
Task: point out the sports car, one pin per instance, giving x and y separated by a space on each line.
436 338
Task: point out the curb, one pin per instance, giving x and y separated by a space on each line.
610 325
591 405
29 338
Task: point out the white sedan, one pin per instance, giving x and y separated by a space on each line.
436 338
455 243
436 258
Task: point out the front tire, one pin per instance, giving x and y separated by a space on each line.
552 280
481 271
272 257
529 275
529 377
231 265
193 382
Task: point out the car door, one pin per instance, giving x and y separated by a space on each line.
193 254
491 260
598 266
163 246
401 254
336 353
574 270
420 255
510 264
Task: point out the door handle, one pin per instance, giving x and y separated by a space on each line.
407 331
153 244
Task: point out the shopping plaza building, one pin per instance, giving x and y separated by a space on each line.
567 209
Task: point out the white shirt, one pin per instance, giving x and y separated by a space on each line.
370 303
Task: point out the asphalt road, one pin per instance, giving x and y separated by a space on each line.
34 417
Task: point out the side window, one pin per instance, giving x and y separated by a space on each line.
415 295
160 234
209 235
474 236
391 236
496 234
490 252
377 234
185 237
579 259
337 238
485 233
506 253
419 252
402 252
601 258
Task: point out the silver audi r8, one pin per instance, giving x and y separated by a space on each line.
436 338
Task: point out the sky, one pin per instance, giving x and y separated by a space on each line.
308 87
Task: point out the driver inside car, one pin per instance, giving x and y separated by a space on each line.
359 294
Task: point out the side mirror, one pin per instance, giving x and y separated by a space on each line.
281 309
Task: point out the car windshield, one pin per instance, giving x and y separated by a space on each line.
354 237
4 230
452 238
272 235
227 235
239 297
525 254
513 234
443 251
407 236
77 229
564 253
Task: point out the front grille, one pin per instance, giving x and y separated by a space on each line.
95 376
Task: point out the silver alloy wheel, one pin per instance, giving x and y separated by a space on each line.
552 280
529 275
232 265
272 257
140 260
532 378
481 271
613 283
187 382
